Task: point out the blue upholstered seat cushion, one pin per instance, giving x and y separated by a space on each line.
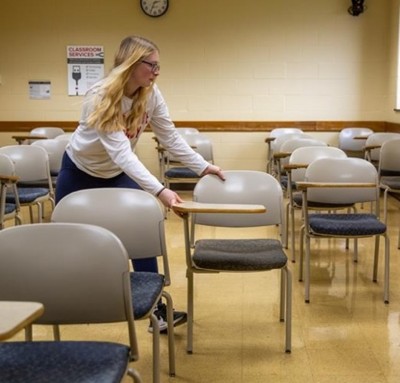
27 195
239 254
390 173
181 172
346 224
146 289
285 182
62 362
391 182
9 208
298 201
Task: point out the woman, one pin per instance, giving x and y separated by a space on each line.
115 113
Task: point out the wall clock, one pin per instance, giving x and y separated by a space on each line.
154 8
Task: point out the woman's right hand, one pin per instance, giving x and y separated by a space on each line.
169 198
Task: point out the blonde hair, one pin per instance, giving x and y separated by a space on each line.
107 114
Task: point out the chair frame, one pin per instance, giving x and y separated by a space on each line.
291 205
186 211
162 156
305 187
84 207
8 179
16 153
6 182
200 144
389 171
356 137
58 308
276 132
374 143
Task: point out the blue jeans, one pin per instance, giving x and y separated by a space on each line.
71 179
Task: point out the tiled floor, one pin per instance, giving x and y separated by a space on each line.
346 334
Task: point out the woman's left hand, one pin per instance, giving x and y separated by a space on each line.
213 169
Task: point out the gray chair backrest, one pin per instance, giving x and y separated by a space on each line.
31 162
379 139
65 136
47 131
389 159
291 145
7 169
79 272
6 165
187 130
55 149
347 141
306 155
279 131
135 216
342 170
200 144
241 187
281 139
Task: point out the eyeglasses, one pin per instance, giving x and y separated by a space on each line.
155 67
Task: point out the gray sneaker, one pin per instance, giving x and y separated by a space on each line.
160 312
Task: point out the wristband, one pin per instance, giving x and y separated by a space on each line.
160 191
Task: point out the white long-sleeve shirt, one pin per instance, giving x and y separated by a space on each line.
106 155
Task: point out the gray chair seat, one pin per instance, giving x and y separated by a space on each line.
9 208
63 362
247 199
346 224
146 288
391 182
181 172
239 255
137 219
27 195
284 182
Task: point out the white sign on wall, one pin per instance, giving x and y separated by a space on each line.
85 67
39 90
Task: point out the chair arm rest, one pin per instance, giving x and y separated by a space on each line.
8 179
295 166
306 185
160 149
21 138
200 207
371 147
14 316
280 155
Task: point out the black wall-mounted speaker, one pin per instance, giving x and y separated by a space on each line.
356 8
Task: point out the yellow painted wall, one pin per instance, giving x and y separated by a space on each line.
253 60
221 60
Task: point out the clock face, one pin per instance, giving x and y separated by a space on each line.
154 8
